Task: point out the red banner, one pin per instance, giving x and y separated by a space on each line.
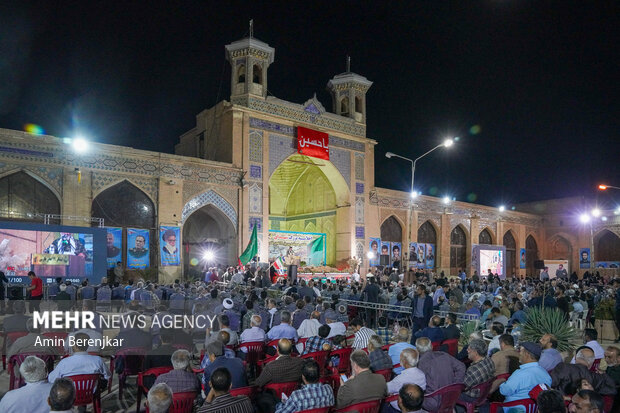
312 143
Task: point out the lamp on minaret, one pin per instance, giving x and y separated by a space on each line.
348 92
249 60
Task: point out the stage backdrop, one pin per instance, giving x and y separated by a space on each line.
310 247
485 257
51 251
554 265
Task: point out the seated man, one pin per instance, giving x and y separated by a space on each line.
310 326
284 368
224 321
411 398
587 401
565 375
159 398
215 353
479 371
337 328
16 322
450 330
80 362
160 356
528 375
612 357
362 334
219 399
410 374
590 336
402 342
379 359
497 329
61 396
506 360
182 378
550 401
316 343
433 331
550 356
254 333
31 398
284 329
312 395
363 385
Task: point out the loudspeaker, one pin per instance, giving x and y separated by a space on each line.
292 273
384 260
539 264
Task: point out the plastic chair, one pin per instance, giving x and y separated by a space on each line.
287 387
183 402
155 371
333 380
595 365
9 338
344 354
87 390
371 406
448 396
302 341
249 391
255 352
320 357
529 405
608 403
57 335
16 360
386 347
436 345
387 373
273 343
133 361
484 389
453 346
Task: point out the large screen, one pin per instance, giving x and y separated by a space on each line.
492 260
66 252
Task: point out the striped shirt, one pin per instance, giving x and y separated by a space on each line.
228 404
361 338
311 396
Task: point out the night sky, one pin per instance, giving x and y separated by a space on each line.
530 87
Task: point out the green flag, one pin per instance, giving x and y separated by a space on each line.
251 250
317 250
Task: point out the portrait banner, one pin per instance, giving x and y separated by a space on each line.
374 248
421 256
138 248
396 252
430 256
522 261
169 250
584 258
114 239
386 259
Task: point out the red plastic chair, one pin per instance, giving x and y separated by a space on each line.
142 389
317 410
344 354
448 396
279 388
387 373
484 389
133 361
333 380
320 357
57 335
255 352
529 405
436 345
273 343
9 338
15 361
87 390
181 402
387 347
608 403
250 391
453 346
371 406
595 365
302 341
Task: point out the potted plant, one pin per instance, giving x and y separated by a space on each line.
542 320
604 314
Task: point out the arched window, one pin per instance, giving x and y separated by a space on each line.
358 105
607 247
391 230
531 254
124 205
22 197
511 252
559 249
458 248
241 74
485 237
344 106
427 233
257 74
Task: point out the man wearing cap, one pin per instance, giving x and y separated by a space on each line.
528 375
234 319
215 353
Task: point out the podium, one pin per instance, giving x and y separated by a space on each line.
292 261
292 273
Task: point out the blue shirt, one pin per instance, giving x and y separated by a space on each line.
282 330
523 380
550 358
394 353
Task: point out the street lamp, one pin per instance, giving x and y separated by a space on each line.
603 187
446 143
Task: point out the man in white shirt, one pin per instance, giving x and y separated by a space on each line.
254 333
355 277
589 339
80 362
336 327
410 374
310 326
31 398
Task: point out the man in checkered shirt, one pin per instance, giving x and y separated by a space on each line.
480 370
315 343
312 395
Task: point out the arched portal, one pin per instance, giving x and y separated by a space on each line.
427 233
458 249
22 197
606 246
485 237
208 229
531 255
511 252
391 230
309 193
559 248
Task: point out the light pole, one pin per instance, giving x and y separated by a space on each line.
605 187
446 143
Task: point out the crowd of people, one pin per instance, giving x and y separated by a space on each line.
406 337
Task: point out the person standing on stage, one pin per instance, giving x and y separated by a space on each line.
35 290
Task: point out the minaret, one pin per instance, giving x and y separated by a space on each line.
348 92
249 60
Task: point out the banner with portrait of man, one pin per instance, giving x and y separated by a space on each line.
169 251
430 256
137 248
522 262
374 249
584 258
396 254
421 256
385 258
114 239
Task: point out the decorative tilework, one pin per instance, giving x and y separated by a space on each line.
359 232
206 198
280 148
359 166
256 146
359 188
342 161
346 143
359 210
256 171
359 250
101 182
256 199
53 177
256 221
